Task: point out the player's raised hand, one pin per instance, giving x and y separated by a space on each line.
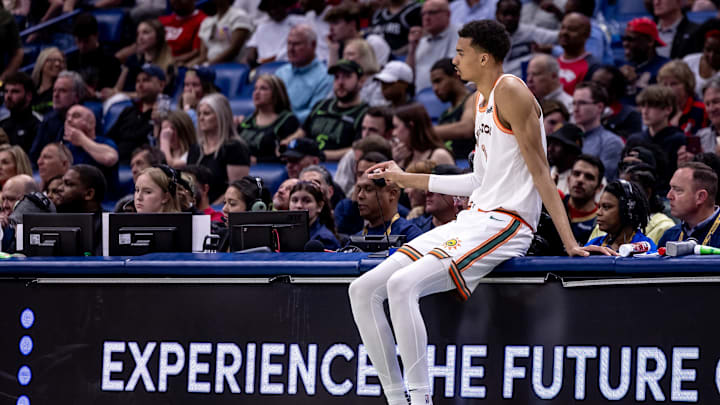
390 171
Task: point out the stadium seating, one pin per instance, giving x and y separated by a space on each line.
113 113
230 78
242 106
110 25
432 104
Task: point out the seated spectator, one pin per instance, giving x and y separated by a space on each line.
156 190
100 68
181 30
85 147
247 194
543 79
347 217
83 190
55 159
358 50
563 148
711 97
456 125
344 26
322 177
133 126
589 101
48 66
658 222
464 11
203 177
657 104
675 29
307 196
12 51
576 63
13 192
623 214
150 49
13 161
22 125
434 40
693 188
271 122
305 77
69 89
52 189
705 64
177 135
219 147
198 82
417 197
585 182
544 14
618 118
315 12
376 134
394 21
224 34
640 42
598 43
555 115
523 38
439 208
396 79
335 122
142 158
281 199
416 139
299 154
378 206
267 44
690 114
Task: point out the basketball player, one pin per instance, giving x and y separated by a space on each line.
510 181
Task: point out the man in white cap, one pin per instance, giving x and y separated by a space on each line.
397 83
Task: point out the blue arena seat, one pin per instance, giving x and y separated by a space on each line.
230 78
432 104
699 17
96 108
113 113
273 174
110 25
242 106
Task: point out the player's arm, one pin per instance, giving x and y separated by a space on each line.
516 107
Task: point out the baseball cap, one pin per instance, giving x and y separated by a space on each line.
153 71
569 135
301 147
346 66
394 71
644 25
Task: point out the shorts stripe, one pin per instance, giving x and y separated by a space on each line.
489 245
410 252
459 281
439 253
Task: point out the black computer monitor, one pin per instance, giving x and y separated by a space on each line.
51 234
284 231
134 234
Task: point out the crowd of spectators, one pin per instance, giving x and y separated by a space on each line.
631 114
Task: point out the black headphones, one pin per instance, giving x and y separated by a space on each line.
258 204
40 200
628 202
172 175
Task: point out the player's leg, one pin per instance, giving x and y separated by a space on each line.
426 276
367 294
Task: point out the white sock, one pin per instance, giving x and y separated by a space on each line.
420 397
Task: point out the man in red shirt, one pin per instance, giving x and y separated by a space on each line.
575 62
181 29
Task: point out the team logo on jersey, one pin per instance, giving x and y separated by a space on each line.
489 110
452 243
483 129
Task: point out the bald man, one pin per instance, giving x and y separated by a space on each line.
13 191
576 62
435 40
88 148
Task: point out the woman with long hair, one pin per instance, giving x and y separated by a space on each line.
150 47
48 66
623 213
271 122
13 161
308 196
414 138
197 83
177 135
219 147
242 194
360 51
156 190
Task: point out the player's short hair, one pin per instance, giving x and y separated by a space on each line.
488 35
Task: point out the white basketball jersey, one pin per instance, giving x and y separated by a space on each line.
506 180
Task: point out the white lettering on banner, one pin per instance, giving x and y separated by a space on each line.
446 371
283 367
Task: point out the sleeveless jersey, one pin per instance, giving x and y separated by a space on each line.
506 180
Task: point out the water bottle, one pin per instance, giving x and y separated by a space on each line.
627 249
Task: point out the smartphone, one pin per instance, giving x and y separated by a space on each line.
693 144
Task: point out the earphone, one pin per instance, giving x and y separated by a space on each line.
628 201
172 175
258 204
40 200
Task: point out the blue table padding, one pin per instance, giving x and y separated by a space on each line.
62 266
